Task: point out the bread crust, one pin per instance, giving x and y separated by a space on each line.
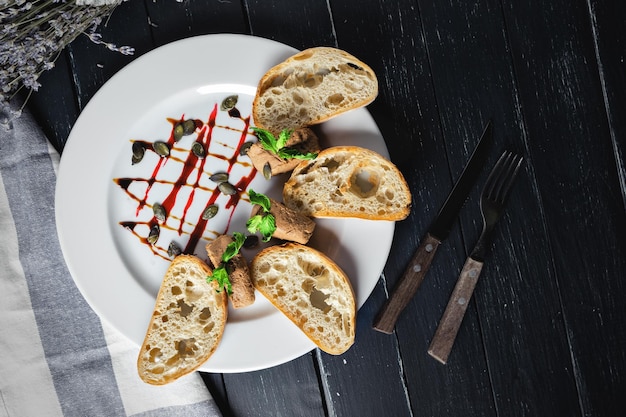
311 87
348 181
187 323
311 290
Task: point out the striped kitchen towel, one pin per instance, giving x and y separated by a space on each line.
56 357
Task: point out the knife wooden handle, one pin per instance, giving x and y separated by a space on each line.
442 342
407 286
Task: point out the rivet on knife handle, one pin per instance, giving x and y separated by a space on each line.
408 284
442 342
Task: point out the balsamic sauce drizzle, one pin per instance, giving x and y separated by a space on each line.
191 163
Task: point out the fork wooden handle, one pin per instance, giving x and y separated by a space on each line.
450 322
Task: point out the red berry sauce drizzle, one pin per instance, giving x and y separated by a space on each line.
192 164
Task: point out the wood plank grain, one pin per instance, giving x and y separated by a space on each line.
92 65
474 75
388 36
367 380
610 43
170 20
291 389
301 24
572 148
54 105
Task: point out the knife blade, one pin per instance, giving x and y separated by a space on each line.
409 282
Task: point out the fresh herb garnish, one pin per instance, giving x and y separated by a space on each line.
277 145
264 222
220 274
233 247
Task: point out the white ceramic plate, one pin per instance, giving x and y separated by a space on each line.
115 270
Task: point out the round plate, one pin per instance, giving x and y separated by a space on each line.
104 202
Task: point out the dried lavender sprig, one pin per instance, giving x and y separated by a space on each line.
35 32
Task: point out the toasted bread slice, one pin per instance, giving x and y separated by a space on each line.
310 87
311 290
187 323
348 181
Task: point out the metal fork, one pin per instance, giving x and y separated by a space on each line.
492 201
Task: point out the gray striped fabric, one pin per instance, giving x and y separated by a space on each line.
56 357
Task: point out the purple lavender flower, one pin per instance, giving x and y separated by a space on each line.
33 32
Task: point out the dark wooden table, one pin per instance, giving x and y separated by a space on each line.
545 333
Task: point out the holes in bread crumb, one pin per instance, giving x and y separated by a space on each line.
205 314
268 103
364 182
154 355
186 347
277 81
265 267
176 290
334 100
297 98
331 165
185 309
318 300
312 82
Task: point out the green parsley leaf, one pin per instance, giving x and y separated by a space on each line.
260 199
264 223
233 247
290 153
283 137
267 139
221 276
277 146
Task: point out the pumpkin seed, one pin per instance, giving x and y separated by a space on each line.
179 131
139 151
210 212
198 149
153 236
189 126
252 241
219 177
267 171
173 250
159 212
161 148
245 148
234 112
229 102
227 188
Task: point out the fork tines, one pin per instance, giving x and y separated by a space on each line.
502 176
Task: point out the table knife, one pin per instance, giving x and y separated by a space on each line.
438 231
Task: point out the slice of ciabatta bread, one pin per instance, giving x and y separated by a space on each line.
311 290
187 323
348 181
310 87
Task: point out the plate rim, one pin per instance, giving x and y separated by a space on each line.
73 146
